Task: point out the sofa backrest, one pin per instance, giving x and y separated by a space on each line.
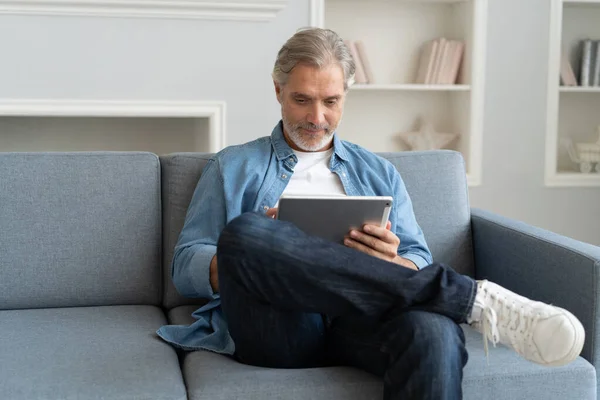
180 175
435 181
79 229
437 185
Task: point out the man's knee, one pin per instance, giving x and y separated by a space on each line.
435 337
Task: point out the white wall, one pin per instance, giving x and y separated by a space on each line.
61 57
113 58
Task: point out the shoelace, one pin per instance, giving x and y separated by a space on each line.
489 322
514 321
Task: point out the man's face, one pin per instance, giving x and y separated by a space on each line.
312 103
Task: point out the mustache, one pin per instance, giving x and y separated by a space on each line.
311 126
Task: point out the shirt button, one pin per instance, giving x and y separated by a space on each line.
266 208
344 174
284 176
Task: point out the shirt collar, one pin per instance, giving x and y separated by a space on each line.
284 151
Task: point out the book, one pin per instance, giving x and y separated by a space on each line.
457 58
586 61
426 61
362 53
432 61
567 75
359 74
440 61
439 56
443 73
596 57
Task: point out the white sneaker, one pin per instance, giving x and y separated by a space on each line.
539 332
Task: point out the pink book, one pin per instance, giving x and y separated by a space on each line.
432 61
456 61
426 61
362 54
359 75
447 63
566 72
439 57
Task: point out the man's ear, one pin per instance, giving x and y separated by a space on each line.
277 91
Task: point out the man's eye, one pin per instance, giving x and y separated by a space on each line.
331 102
300 101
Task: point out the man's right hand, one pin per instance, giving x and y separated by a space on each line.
214 274
272 213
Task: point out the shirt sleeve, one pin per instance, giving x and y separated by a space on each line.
197 243
412 240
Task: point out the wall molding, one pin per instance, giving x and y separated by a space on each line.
213 110
236 10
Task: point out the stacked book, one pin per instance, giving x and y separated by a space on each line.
440 61
589 69
364 73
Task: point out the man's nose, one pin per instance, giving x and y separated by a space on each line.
316 115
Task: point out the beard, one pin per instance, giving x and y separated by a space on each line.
303 141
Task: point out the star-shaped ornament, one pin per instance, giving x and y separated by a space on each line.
426 138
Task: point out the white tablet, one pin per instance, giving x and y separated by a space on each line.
332 217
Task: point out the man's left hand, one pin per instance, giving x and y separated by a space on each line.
378 242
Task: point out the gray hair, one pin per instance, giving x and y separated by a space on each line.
317 47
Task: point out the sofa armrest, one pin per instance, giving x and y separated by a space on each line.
541 265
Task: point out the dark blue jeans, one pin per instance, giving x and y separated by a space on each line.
296 301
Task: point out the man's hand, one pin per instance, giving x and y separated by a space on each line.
272 213
214 274
378 242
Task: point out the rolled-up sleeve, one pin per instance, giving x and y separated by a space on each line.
197 243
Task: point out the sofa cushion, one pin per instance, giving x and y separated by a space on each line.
507 376
211 376
180 175
87 353
436 182
79 229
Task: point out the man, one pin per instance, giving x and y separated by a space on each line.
281 298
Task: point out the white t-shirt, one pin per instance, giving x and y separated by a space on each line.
312 175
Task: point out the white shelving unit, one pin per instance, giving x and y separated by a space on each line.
393 33
573 111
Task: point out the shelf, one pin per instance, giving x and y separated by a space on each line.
111 125
580 89
394 33
573 179
572 111
412 87
581 2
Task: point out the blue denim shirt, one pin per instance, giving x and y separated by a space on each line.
252 177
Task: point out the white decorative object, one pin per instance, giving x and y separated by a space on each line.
426 138
237 10
585 154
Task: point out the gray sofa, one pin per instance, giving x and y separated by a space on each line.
86 241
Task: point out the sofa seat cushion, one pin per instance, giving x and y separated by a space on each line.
107 352
216 377
507 376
